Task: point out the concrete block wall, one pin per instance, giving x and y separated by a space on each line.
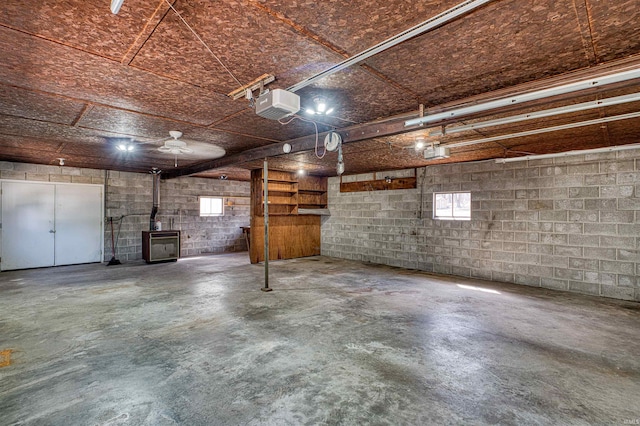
179 203
130 195
570 223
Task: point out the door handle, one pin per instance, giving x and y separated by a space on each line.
52 231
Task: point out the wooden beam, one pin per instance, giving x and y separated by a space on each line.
378 185
395 125
305 143
256 84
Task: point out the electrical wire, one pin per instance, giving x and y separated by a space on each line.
203 43
315 125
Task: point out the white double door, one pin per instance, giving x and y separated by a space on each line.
46 224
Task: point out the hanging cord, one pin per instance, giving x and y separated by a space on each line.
315 125
203 43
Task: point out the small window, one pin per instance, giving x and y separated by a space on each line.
211 206
452 205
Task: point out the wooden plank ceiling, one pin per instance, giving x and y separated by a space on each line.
76 80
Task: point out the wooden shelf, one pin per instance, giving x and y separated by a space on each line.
288 192
379 185
282 180
313 211
295 205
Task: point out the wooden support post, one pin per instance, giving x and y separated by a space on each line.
265 179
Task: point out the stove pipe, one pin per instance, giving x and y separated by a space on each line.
156 200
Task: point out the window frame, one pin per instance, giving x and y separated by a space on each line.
210 198
452 216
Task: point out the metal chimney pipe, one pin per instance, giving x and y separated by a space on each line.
156 199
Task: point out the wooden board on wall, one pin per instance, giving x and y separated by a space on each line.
378 185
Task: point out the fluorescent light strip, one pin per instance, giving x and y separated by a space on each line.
617 100
545 130
435 22
527 97
115 6
570 153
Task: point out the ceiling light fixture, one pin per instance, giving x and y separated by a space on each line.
301 172
616 100
419 143
320 107
518 99
61 161
115 6
125 147
546 130
570 153
436 152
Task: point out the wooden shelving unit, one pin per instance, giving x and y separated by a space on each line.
312 193
291 233
288 193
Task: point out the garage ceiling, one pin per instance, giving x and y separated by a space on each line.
76 80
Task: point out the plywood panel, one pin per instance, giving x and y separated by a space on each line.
289 237
85 25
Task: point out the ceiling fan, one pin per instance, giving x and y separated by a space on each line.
175 146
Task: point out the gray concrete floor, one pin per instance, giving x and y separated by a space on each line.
338 342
